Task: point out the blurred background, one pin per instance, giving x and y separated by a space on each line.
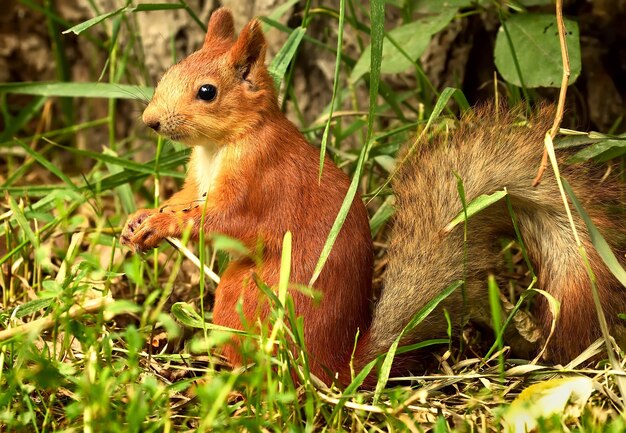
32 48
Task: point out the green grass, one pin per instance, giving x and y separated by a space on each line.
93 338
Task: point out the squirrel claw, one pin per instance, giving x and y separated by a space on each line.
143 234
133 225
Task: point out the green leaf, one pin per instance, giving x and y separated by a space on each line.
279 64
31 307
34 190
422 344
171 327
597 149
574 141
412 38
173 159
441 426
478 204
534 41
69 130
84 90
46 203
187 315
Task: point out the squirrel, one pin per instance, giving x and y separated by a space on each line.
253 176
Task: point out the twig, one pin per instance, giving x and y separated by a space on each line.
176 243
48 321
558 117
353 405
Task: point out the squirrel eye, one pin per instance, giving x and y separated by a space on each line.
207 92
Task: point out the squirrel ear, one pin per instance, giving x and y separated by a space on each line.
249 49
221 26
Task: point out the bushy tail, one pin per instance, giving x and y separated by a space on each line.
490 151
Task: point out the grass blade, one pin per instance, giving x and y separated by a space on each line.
280 63
79 90
496 317
377 17
598 241
79 28
126 164
441 103
342 16
475 206
385 369
62 64
23 223
47 164
283 285
14 124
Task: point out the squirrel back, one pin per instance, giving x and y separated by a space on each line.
253 176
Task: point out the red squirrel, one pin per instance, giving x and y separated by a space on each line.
255 177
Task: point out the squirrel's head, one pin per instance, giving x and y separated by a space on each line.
218 93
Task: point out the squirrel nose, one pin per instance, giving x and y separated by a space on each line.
154 124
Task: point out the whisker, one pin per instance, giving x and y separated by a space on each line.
192 126
145 97
141 98
138 116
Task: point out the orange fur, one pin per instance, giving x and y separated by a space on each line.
256 178
266 183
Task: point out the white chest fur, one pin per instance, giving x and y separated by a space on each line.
206 165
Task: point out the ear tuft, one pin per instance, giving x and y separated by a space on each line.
221 26
249 48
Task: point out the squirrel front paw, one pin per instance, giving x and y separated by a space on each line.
144 230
